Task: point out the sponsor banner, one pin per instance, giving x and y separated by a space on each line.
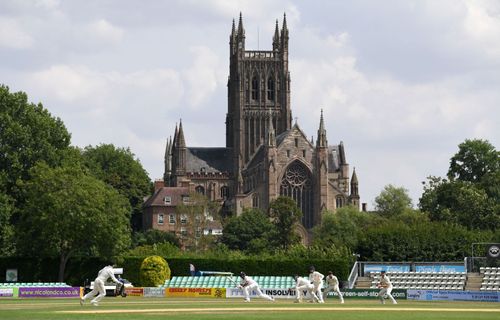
440 268
196 292
366 293
386 267
154 292
49 292
134 292
454 295
273 292
6 292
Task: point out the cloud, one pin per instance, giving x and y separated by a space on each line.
202 77
105 31
482 23
13 36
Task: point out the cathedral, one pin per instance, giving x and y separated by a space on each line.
266 155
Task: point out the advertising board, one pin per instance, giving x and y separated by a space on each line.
366 294
273 292
154 292
49 292
6 292
196 292
440 268
386 267
134 291
454 295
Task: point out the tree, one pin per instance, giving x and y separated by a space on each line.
285 215
250 229
68 212
154 236
343 227
154 271
471 196
119 168
474 160
28 134
6 228
196 216
460 202
392 201
425 241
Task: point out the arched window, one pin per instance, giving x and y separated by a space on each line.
270 89
339 202
200 190
224 192
297 184
255 88
255 200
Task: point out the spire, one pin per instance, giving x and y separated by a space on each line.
168 148
271 135
354 183
176 133
284 30
233 30
321 141
181 142
276 38
341 153
354 178
241 31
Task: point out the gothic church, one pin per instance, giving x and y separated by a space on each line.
265 154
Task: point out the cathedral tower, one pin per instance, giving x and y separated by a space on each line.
258 88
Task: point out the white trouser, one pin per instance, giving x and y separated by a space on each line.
248 289
317 289
98 290
334 289
386 291
310 290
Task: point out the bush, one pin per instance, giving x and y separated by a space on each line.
154 271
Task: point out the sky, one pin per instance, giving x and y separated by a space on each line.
401 83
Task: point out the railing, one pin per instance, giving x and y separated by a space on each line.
353 276
259 54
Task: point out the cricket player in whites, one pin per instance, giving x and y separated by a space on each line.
332 284
248 284
302 284
385 286
316 279
99 290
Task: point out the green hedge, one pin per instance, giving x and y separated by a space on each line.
81 268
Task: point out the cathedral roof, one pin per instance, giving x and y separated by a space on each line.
208 160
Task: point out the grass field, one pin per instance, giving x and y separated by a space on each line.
200 309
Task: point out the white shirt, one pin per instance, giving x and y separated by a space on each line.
316 277
105 273
332 281
302 282
385 282
247 281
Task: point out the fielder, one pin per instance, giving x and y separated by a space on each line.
248 284
385 286
332 284
316 279
99 290
302 284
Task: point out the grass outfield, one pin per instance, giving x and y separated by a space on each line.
150 308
